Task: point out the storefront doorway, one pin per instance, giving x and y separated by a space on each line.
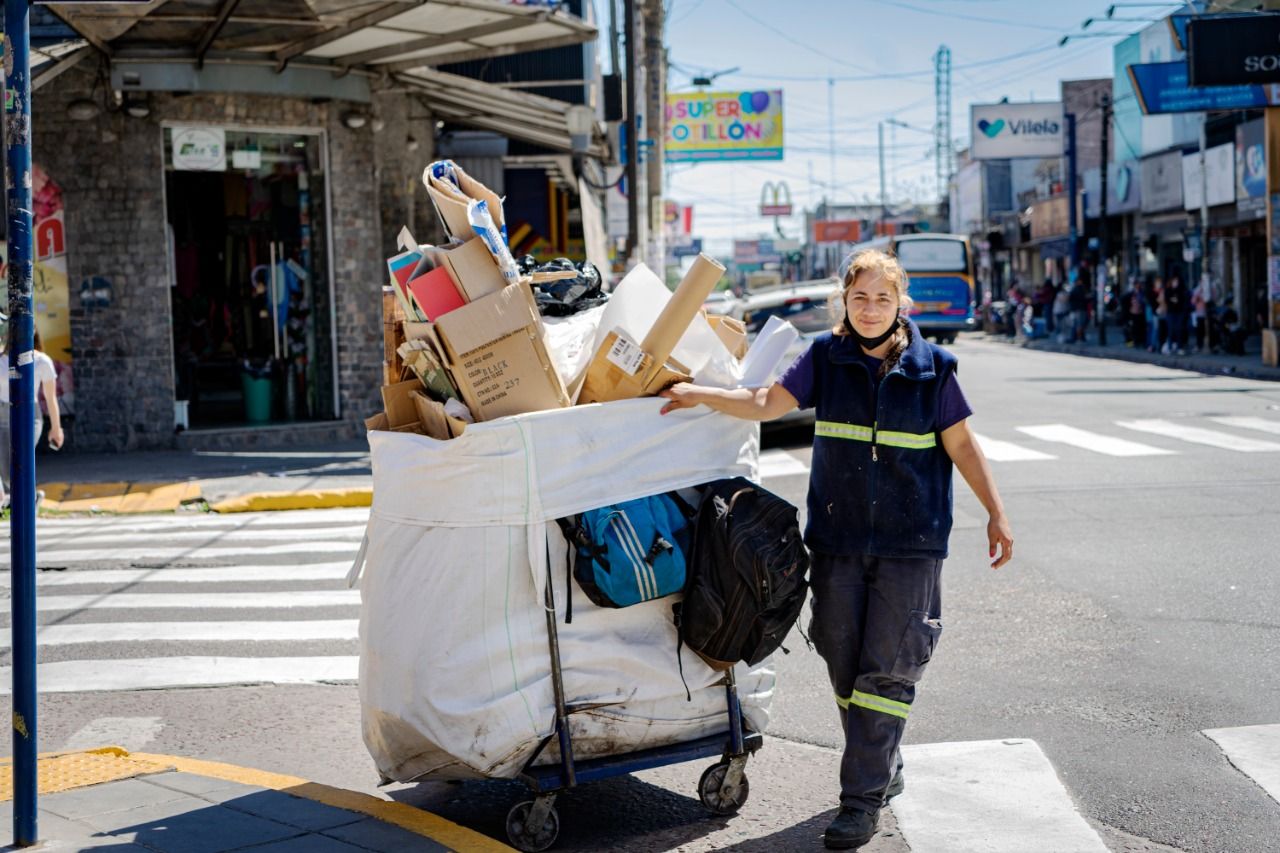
250 287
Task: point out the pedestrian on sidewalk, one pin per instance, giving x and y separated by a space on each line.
1079 303
892 423
1061 311
1135 310
1178 305
46 382
1202 304
1161 340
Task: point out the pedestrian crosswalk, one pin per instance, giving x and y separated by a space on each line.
181 601
1122 438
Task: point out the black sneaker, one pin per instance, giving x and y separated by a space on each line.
851 829
895 786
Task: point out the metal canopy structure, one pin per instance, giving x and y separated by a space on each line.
381 36
519 115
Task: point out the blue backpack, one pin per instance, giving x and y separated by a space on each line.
630 552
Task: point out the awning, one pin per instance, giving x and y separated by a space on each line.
516 114
386 36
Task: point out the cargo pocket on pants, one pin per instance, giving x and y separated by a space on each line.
919 639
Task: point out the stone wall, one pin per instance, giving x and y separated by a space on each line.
111 170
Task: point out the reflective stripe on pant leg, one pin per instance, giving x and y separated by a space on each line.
875 703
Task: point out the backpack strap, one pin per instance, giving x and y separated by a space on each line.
566 528
688 510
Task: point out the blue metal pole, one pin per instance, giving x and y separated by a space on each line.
22 414
1073 234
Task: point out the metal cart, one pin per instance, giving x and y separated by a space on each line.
533 825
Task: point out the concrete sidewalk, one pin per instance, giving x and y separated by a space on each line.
337 475
109 799
1247 366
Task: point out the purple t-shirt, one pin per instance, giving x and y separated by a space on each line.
799 380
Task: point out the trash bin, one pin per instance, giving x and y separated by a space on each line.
259 390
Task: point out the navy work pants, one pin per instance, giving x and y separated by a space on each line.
875 623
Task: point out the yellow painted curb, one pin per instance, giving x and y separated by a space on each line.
406 817
316 499
63 771
117 497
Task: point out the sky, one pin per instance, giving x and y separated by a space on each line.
880 53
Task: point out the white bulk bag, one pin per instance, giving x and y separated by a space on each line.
455 668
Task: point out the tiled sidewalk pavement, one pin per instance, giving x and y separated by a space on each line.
191 806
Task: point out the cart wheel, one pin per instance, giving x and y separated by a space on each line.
714 799
528 838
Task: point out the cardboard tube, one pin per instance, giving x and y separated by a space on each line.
683 307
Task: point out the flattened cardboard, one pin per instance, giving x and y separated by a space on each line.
422 357
473 269
435 293
436 423
451 205
397 403
379 422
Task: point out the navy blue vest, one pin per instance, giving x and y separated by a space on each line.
880 482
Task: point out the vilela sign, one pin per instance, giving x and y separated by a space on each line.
1000 131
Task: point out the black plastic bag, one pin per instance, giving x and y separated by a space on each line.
564 296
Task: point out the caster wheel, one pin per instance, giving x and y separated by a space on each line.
528 838
714 798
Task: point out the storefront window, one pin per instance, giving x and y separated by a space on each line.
250 287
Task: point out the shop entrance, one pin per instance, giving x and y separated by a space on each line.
250 291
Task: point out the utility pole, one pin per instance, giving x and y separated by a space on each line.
632 126
1102 222
655 81
1204 230
22 413
884 200
613 36
831 138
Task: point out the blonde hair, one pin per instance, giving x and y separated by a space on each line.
877 264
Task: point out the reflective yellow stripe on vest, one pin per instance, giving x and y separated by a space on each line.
875 703
833 429
907 440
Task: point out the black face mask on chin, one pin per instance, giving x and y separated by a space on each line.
871 343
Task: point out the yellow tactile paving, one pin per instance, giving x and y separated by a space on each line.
63 771
118 497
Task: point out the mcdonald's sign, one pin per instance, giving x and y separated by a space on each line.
775 199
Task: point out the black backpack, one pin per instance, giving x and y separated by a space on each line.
747 569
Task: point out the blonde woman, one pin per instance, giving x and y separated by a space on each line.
891 425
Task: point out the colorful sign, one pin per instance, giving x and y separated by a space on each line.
755 252
1251 171
723 126
1003 131
1163 87
50 294
837 231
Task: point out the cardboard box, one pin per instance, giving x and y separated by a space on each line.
380 422
1271 347
472 269
622 369
435 293
436 422
494 351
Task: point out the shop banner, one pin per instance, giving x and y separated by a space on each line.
1232 49
200 149
1220 164
1251 170
49 291
1162 182
1163 87
837 231
724 126
1002 131
755 252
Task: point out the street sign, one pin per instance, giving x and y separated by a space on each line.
1164 87
775 199
1234 49
1002 131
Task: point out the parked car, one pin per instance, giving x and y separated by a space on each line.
720 302
805 305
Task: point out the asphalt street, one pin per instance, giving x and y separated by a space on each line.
1138 614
